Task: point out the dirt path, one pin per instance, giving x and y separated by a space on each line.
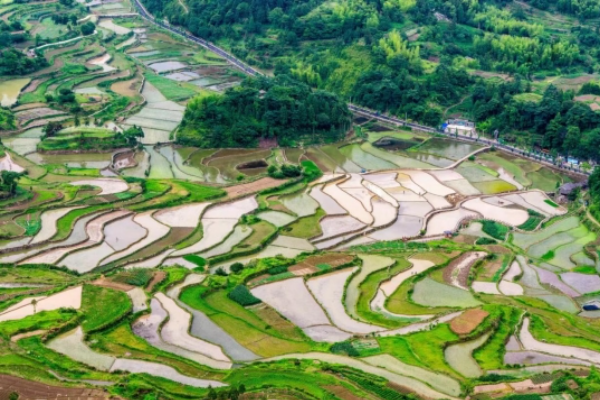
184 6
454 105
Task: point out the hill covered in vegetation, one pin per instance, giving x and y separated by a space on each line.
280 108
499 63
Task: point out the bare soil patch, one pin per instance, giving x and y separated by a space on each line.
253 187
463 275
33 85
36 390
309 265
126 88
108 283
158 277
342 392
468 321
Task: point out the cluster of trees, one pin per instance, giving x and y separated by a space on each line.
594 190
264 108
556 122
402 94
9 181
14 62
7 120
64 19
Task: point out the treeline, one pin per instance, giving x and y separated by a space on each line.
559 123
278 108
14 62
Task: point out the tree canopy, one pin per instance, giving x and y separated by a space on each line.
278 108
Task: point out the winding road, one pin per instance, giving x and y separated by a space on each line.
248 70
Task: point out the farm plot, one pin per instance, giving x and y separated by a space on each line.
415 385
175 331
365 160
563 255
527 357
111 26
370 264
526 240
49 219
228 161
329 292
160 167
94 232
87 259
383 213
7 164
123 233
432 185
457 273
185 216
338 225
301 204
434 294
447 221
508 216
447 148
439 382
485 287
468 321
240 232
460 358
292 299
539 200
155 230
583 283
293 243
276 218
108 186
217 222
147 327
530 343
546 248
156 128
327 203
405 226
71 344
69 298
352 205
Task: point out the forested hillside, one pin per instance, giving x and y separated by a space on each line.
280 108
514 66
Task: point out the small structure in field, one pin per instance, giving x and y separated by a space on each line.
460 127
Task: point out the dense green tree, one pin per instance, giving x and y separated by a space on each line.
278 108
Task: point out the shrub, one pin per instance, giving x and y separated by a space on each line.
236 267
344 348
494 229
194 259
221 272
241 295
484 240
551 203
138 277
310 170
280 269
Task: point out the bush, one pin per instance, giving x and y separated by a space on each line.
221 272
236 267
494 229
194 259
310 170
241 295
484 240
137 277
277 270
344 348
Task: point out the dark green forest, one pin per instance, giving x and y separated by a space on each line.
418 58
278 108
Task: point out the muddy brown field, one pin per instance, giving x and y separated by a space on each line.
39 391
468 321
253 187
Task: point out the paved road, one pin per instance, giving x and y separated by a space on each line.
361 110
